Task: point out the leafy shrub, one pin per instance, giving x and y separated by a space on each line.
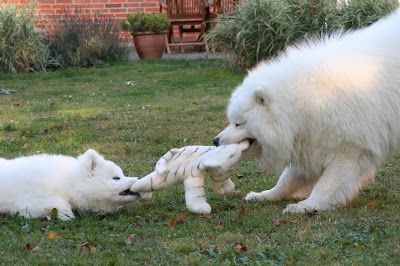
81 41
259 29
142 22
23 47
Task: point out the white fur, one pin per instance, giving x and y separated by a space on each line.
190 165
34 185
326 113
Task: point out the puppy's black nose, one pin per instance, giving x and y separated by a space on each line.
216 141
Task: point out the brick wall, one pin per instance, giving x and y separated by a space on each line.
113 8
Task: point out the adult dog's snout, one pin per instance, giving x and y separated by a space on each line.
216 141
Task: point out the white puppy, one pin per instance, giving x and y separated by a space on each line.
326 113
34 185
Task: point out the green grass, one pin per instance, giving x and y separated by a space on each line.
172 103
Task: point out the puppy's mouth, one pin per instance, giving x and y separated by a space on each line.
129 193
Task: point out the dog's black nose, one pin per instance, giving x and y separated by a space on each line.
216 141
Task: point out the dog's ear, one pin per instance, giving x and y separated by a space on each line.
262 98
90 159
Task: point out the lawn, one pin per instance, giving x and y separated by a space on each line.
134 112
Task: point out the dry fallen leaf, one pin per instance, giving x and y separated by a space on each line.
206 216
52 235
16 104
310 213
25 146
218 225
295 221
92 249
27 246
240 247
236 193
86 247
49 212
214 247
276 222
180 220
171 223
244 209
201 247
370 205
128 241
263 171
36 249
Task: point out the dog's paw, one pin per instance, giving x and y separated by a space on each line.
264 195
307 205
253 196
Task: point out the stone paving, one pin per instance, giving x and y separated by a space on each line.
190 53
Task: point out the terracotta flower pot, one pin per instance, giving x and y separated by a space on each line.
149 44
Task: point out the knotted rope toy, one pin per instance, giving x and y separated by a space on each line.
191 165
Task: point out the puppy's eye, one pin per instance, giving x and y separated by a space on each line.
116 178
238 125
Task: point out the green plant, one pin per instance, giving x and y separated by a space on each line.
142 22
260 29
23 46
82 41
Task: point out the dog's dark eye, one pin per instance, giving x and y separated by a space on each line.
238 125
116 178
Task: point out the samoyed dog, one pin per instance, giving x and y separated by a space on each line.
33 185
326 113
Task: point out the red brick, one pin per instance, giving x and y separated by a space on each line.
148 5
47 1
132 5
118 10
100 10
117 1
64 1
152 9
91 6
120 16
60 6
40 7
133 10
113 5
82 1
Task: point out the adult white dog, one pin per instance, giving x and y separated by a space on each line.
33 185
326 113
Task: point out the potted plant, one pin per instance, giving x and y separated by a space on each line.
148 31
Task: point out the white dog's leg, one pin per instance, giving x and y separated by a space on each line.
339 183
290 184
195 196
